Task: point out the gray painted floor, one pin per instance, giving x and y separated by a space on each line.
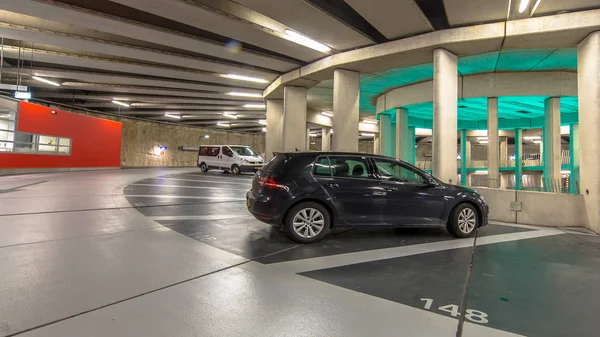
77 259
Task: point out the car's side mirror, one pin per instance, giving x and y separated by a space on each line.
431 182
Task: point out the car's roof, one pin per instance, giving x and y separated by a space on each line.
226 145
325 153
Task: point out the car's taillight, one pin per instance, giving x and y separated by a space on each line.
271 183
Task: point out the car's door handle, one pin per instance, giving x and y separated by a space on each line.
332 185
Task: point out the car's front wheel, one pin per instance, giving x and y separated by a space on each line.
463 221
307 222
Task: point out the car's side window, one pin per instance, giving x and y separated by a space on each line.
349 167
227 151
322 167
394 171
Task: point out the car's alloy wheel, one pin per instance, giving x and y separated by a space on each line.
467 220
308 223
235 170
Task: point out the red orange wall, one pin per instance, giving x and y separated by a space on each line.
95 142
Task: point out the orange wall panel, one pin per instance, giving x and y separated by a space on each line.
95 142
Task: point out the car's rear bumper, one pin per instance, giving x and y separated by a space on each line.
264 208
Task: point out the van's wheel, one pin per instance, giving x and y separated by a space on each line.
204 167
236 170
307 222
463 221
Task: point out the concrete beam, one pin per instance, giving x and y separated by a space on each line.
83 61
85 19
83 44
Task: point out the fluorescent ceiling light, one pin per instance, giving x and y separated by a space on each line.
533 137
245 78
264 129
224 124
262 121
254 106
565 130
172 116
206 136
45 81
481 172
228 115
367 134
327 113
370 121
482 138
313 135
120 103
483 142
305 41
243 94
523 5
565 172
22 94
537 141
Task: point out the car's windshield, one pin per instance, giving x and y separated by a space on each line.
243 150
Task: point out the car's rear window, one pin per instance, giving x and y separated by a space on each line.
275 164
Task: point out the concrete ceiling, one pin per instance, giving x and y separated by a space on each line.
173 55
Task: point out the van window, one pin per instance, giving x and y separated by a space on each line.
244 151
214 151
227 151
209 151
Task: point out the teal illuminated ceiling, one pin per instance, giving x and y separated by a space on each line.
518 107
374 84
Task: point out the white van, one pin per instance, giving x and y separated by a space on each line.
229 158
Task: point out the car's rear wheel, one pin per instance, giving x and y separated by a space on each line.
463 221
236 170
307 222
204 167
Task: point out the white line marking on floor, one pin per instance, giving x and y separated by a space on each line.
197 187
220 178
249 183
168 196
510 224
198 217
340 260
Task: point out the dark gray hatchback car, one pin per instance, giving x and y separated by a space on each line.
308 193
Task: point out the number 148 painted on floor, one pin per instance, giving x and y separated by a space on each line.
475 316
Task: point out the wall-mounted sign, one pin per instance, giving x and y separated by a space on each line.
164 148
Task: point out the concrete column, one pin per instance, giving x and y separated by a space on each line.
326 140
346 92
518 159
503 151
294 119
307 139
445 95
274 140
403 136
376 145
588 84
551 142
412 148
385 135
463 158
493 149
574 160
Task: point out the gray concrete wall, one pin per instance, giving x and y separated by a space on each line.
141 137
537 208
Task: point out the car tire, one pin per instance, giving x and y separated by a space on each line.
463 221
307 222
236 170
204 167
